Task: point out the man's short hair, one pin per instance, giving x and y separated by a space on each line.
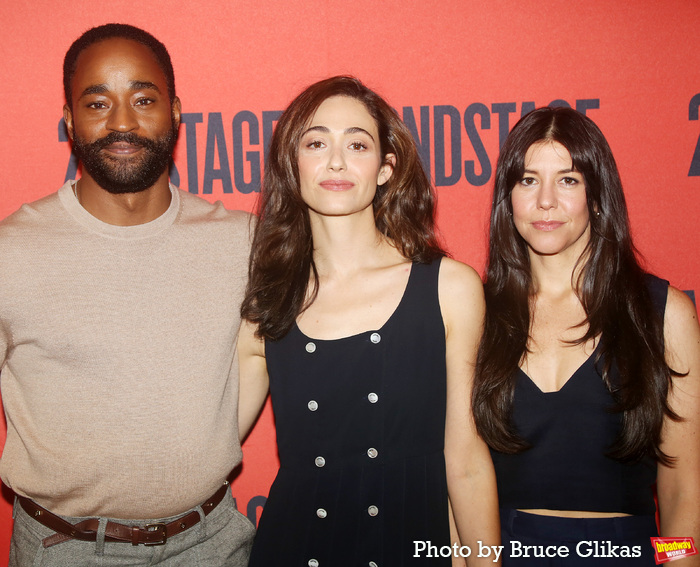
109 31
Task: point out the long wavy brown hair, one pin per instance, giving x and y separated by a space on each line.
611 287
283 280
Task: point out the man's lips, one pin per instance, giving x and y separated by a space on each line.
336 185
547 226
122 148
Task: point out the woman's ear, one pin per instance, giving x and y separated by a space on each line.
387 169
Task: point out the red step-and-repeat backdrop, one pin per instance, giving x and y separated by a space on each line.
459 72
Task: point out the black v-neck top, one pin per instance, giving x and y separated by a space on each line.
570 431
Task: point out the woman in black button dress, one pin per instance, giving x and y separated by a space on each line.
588 375
368 335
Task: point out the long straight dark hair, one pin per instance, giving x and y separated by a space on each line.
281 264
611 287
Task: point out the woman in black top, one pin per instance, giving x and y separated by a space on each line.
587 386
369 337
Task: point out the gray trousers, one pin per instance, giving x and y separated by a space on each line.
221 539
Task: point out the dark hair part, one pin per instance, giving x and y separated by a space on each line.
110 31
611 287
282 268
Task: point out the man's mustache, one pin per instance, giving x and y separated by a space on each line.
124 137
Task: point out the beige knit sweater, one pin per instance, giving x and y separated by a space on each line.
117 349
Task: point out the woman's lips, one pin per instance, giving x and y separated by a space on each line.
336 185
547 226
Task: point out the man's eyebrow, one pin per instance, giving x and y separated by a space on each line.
135 86
141 85
94 89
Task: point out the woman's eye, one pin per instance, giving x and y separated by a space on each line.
358 146
527 181
314 144
570 181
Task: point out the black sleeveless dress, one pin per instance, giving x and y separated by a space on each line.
360 433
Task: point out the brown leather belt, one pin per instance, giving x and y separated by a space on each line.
86 530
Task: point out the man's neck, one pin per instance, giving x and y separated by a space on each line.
124 209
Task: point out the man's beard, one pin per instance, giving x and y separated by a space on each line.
126 174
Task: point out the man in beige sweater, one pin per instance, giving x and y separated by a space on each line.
119 313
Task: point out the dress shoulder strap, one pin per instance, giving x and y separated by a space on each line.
658 290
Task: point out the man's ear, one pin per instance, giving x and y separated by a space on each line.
176 113
68 119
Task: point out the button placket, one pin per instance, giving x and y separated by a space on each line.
372 452
375 338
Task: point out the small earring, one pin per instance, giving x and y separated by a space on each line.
597 214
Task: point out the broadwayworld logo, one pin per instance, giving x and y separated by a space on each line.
671 548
